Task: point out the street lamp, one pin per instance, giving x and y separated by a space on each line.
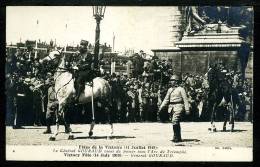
98 13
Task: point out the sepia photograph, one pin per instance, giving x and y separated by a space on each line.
129 83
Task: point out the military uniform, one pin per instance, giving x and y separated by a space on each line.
176 99
144 97
52 106
132 103
85 69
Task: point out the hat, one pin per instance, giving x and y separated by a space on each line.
175 77
27 80
84 43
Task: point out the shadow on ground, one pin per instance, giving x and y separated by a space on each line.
103 137
32 128
72 132
235 130
184 142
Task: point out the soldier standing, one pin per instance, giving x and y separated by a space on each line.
144 94
52 106
176 99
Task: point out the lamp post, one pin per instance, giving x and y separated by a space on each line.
98 13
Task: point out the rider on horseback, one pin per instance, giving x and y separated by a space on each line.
85 67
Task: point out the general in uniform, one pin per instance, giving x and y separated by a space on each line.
177 101
85 69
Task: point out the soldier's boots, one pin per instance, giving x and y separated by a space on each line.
47 131
68 129
177 133
48 124
79 89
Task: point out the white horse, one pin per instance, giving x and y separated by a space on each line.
64 88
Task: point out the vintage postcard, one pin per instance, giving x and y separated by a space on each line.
129 83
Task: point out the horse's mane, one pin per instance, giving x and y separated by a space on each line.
61 62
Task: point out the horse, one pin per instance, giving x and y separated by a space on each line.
65 92
220 95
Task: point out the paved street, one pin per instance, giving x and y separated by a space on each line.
158 134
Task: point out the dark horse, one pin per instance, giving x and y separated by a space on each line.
220 97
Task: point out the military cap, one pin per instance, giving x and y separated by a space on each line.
84 43
27 80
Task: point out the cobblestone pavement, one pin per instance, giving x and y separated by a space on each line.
158 134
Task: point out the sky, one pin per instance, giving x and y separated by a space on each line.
138 28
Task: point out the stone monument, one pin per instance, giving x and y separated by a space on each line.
204 43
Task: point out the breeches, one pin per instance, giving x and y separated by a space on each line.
51 108
177 110
84 76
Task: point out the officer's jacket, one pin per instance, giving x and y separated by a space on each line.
51 95
175 96
85 62
52 100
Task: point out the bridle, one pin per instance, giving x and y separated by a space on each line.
60 70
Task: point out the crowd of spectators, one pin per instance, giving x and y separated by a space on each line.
134 99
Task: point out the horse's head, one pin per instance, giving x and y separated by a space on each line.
53 58
147 66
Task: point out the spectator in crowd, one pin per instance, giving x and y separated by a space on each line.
134 97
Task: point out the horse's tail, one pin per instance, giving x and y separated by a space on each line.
109 93
108 101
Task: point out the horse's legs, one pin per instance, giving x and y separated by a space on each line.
90 133
213 127
67 128
231 117
225 119
53 137
108 109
